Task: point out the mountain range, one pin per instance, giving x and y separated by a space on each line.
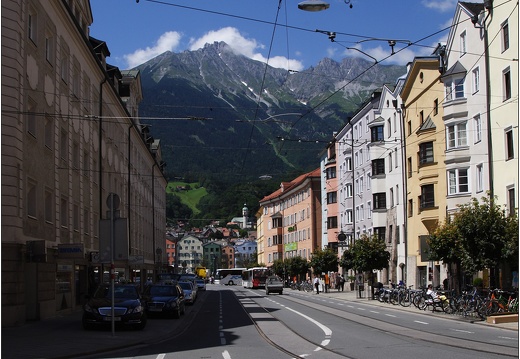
218 113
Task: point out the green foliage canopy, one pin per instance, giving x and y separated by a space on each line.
366 254
324 260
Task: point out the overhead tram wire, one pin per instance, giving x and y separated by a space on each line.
261 89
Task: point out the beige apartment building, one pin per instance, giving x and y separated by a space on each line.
291 219
72 146
424 140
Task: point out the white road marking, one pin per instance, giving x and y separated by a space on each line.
417 321
390 315
161 356
225 355
325 329
463 331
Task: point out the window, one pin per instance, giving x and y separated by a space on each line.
462 43
426 153
49 206
64 69
64 146
480 178
435 106
410 208
510 150
75 217
31 118
348 164
427 197
49 132
377 133
49 48
456 135
331 172
409 128
348 189
332 222
397 194
390 164
32 26
380 232
505 36
332 197
349 216
511 204
391 197
379 200
455 87
478 128
507 84
458 181
75 155
389 129
64 215
421 117
31 199
369 209
476 80
378 167
409 165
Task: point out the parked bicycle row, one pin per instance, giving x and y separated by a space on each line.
469 303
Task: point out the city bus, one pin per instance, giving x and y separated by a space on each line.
229 276
255 277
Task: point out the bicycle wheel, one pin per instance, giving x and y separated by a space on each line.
404 299
309 288
421 303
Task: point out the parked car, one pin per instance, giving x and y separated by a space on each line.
273 284
128 307
201 284
165 300
190 293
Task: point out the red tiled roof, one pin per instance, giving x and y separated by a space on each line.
285 186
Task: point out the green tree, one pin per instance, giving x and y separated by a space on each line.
278 267
366 254
324 260
297 267
480 236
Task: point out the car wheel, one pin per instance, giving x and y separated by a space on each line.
230 283
266 292
141 325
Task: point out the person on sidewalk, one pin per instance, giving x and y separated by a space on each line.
341 282
327 282
317 284
338 282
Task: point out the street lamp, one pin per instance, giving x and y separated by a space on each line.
313 5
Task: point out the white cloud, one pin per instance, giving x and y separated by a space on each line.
244 46
167 42
440 5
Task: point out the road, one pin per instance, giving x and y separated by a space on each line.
234 322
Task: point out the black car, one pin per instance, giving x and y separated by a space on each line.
165 299
128 307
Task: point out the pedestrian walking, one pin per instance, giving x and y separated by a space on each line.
338 282
341 282
317 284
327 282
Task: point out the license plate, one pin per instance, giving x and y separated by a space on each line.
155 309
109 319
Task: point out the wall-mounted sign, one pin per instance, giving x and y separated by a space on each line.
72 250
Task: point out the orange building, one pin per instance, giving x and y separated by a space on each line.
290 219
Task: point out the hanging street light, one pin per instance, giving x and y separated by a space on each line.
313 5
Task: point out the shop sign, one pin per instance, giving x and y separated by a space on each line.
73 250
133 260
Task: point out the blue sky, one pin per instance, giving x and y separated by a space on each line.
272 31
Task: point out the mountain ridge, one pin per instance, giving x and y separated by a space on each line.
249 107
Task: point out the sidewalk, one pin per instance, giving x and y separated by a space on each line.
354 296
64 337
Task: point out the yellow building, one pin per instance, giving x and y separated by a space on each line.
291 219
424 140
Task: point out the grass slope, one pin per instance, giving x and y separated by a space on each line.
189 197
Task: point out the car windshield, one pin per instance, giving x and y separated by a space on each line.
120 291
185 285
163 291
